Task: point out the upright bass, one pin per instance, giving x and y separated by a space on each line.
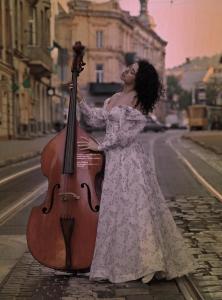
61 232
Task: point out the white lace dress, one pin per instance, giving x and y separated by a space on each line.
136 236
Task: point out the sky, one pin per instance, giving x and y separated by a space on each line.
191 27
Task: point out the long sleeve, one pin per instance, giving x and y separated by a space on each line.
94 116
130 125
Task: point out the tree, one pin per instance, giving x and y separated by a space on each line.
185 99
175 91
214 87
173 87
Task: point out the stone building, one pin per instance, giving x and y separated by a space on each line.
25 68
214 76
58 96
195 74
6 71
113 39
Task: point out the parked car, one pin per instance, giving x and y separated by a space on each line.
176 126
154 125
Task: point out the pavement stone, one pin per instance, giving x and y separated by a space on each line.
169 297
202 229
215 296
30 280
121 298
139 297
133 291
8 255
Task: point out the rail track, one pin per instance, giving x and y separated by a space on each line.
188 288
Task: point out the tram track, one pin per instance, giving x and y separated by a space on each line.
186 284
18 174
213 191
19 186
20 204
188 288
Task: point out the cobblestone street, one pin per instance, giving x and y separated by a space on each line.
199 218
200 226
29 280
196 212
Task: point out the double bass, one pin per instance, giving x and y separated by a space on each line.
61 232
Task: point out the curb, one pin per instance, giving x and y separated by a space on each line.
202 144
12 160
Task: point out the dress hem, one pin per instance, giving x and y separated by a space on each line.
101 275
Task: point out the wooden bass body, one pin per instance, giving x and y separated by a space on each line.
61 232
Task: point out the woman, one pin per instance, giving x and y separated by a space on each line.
136 234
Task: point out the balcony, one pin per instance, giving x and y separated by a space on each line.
40 61
130 58
104 88
33 2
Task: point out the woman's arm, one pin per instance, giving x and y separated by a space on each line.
94 116
131 124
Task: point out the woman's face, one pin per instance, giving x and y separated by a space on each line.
129 74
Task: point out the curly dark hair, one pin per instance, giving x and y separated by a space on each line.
148 86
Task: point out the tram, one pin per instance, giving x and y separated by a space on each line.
204 117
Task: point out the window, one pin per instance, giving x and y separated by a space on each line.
99 39
42 28
99 73
1 30
8 37
47 27
16 27
21 26
32 26
30 31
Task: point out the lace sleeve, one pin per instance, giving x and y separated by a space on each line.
94 116
131 124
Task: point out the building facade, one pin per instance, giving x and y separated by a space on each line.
195 74
113 39
25 68
213 76
58 96
6 71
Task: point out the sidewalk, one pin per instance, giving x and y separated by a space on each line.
211 140
12 151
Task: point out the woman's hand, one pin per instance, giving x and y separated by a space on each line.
87 144
79 96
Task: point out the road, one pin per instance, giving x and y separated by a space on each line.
196 212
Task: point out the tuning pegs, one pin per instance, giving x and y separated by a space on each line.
78 52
